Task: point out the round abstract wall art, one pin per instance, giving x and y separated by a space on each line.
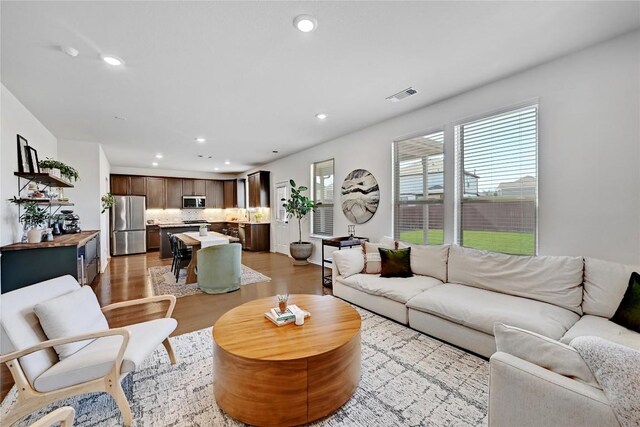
360 196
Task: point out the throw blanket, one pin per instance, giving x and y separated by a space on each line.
617 370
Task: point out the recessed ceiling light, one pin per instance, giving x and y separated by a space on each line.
70 51
154 164
112 60
321 116
305 23
159 156
201 140
215 169
227 162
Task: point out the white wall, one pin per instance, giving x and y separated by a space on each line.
16 119
589 149
169 173
93 167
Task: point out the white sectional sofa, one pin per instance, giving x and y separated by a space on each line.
558 297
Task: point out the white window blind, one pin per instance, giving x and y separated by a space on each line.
419 189
323 194
498 182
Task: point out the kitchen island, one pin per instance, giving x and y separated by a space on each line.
77 254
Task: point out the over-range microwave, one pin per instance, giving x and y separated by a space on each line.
193 202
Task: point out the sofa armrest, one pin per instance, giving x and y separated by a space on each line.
524 394
334 273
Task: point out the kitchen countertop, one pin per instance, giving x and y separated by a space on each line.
76 239
181 224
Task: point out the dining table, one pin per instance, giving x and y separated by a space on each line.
195 241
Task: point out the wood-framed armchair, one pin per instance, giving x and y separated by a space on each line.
42 377
62 416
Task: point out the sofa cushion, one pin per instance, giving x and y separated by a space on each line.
97 359
74 313
400 289
479 309
628 313
556 280
429 260
348 261
601 327
605 283
542 351
395 262
372 262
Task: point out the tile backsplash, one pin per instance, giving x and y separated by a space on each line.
179 215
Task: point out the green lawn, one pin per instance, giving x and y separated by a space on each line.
505 242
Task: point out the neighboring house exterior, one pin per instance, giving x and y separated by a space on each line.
525 186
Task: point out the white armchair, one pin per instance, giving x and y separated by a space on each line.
42 377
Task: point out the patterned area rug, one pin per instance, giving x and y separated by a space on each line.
164 281
408 379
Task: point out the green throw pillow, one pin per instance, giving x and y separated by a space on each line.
628 312
395 262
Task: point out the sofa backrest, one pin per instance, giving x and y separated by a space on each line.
556 280
21 326
605 283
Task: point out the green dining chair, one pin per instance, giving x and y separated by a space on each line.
219 268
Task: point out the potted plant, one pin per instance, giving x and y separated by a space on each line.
65 171
298 206
107 201
32 218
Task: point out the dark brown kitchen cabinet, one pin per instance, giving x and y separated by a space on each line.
193 187
259 190
125 185
153 238
214 191
156 198
137 186
255 237
173 193
230 194
120 185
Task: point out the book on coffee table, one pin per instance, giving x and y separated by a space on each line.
289 316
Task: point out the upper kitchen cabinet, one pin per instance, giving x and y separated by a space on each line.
259 190
214 191
125 185
193 187
174 193
155 193
230 193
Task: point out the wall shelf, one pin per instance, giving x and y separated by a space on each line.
44 178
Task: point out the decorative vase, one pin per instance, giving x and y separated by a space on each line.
34 235
300 252
282 306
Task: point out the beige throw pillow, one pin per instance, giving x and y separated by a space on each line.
372 261
428 260
348 261
544 352
75 313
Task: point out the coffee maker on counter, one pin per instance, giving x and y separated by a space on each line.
70 223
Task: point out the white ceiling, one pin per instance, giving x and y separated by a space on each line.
239 74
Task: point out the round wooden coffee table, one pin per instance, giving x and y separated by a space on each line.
266 375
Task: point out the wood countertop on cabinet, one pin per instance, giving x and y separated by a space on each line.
76 239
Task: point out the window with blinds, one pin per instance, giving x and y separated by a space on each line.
418 170
497 178
322 216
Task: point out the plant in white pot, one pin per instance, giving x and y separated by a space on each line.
33 217
298 206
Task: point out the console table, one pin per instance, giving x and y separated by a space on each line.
337 242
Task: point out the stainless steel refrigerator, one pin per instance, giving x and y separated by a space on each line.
128 227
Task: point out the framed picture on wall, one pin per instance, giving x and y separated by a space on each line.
33 160
23 155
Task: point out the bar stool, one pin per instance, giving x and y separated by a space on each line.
181 255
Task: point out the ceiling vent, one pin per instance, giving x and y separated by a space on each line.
402 94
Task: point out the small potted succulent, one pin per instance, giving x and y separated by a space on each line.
298 206
64 171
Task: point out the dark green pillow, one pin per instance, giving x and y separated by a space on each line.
628 312
395 262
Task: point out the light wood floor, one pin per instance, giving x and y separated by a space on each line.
127 278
